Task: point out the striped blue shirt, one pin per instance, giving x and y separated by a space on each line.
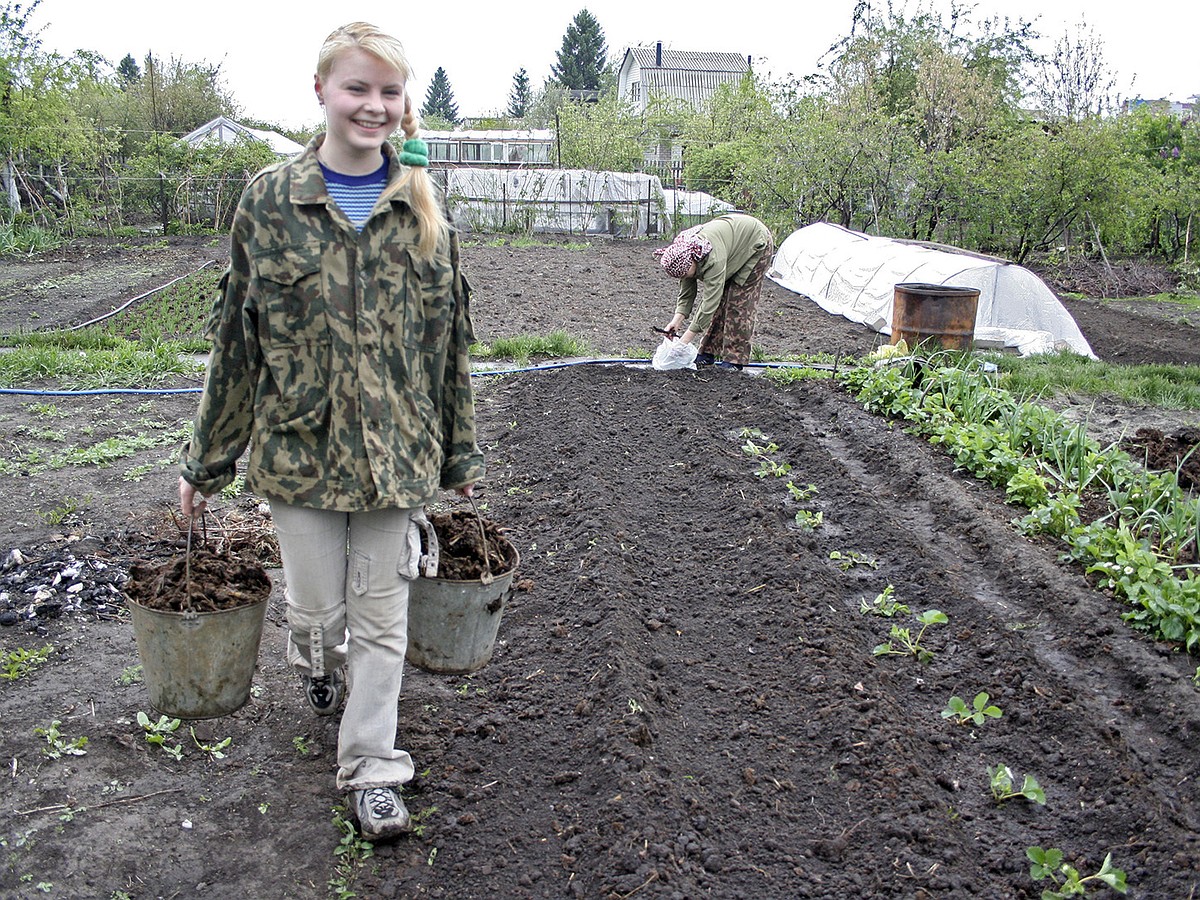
356 194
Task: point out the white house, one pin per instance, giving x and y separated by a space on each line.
693 77
226 131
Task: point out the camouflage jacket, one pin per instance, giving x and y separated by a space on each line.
338 356
738 242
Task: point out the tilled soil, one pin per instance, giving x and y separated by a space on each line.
683 702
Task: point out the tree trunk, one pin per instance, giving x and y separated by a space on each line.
10 186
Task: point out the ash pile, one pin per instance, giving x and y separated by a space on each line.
39 586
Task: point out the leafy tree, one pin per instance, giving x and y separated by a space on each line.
439 99
128 72
582 56
41 132
521 96
598 136
177 96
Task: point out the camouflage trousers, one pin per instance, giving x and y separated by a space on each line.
347 578
728 336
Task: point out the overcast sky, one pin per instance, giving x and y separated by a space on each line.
267 51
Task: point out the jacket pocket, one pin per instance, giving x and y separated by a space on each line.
428 303
295 338
291 296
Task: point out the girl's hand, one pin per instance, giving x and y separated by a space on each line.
466 490
191 502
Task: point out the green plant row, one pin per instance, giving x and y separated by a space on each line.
1143 546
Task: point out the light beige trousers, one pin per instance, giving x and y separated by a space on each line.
348 574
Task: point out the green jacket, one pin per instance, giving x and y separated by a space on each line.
339 357
738 240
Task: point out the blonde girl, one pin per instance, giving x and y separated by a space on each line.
339 357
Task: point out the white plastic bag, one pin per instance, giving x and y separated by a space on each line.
674 355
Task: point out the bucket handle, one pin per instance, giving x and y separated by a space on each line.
427 562
189 613
486 575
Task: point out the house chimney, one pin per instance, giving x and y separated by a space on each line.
658 55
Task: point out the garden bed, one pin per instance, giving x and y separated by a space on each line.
684 700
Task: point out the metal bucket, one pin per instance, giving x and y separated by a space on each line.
937 314
198 665
452 624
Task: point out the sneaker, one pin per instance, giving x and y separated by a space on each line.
380 812
325 693
705 359
728 365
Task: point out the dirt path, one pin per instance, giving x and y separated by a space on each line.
683 702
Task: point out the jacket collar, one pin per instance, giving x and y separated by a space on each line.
307 184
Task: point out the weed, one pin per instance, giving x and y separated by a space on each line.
1066 878
131 675
214 751
349 854
301 744
978 712
902 643
1002 785
884 603
21 662
56 745
418 821
635 707
234 488
67 508
160 733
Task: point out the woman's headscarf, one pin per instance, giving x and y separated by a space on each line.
687 248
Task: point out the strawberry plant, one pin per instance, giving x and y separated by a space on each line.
978 712
1066 878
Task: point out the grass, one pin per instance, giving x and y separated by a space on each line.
1192 301
524 241
1048 375
556 345
126 364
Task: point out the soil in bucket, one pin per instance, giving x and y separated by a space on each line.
454 617
198 621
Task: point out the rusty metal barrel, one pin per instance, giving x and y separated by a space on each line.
934 314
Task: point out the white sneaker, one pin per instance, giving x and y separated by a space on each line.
380 812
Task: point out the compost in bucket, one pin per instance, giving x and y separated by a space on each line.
198 621
454 616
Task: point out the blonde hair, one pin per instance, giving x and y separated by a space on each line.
431 221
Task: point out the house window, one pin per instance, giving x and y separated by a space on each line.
443 151
476 152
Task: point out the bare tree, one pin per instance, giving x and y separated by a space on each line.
1075 81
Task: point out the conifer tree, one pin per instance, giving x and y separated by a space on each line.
582 57
521 95
439 99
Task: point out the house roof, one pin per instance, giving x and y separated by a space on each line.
226 130
647 58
